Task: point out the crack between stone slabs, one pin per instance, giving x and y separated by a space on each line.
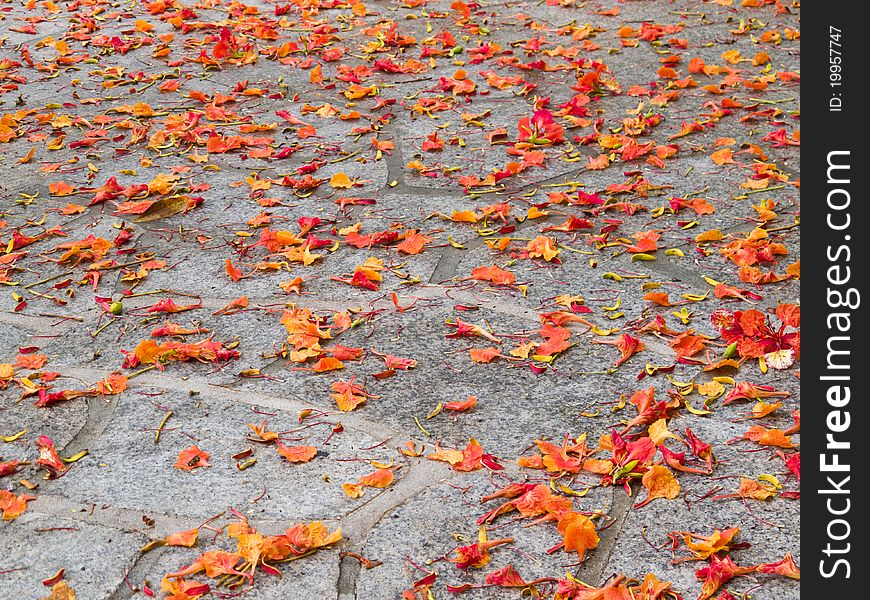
348 572
359 522
123 520
446 266
679 272
218 303
444 270
593 570
577 171
349 569
127 520
396 164
140 566
403 187
395 161
425 291
86 215
251 398
395 170
36 323
99 412
495 305
663 267
363 520
420 477
450 258
280 402
429 291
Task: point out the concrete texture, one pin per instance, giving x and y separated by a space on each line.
124 492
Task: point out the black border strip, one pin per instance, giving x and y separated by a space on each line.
833 256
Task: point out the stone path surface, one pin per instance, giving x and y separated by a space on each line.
298 236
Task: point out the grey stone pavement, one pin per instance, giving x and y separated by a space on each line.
118 115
